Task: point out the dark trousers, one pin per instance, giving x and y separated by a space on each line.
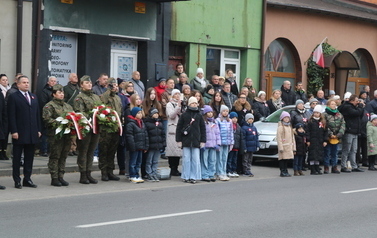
362 150
232 162
121 157
28 150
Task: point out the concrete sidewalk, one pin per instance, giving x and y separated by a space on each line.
40 166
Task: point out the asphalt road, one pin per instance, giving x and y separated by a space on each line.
263 206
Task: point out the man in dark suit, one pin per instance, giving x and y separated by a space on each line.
25 127
3 121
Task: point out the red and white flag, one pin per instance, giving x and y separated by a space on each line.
318 56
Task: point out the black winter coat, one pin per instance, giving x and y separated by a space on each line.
288 96
156 133
260 110
298 117
136 136
316 134
352 116
196 132
238 142
300 143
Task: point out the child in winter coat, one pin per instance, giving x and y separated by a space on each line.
286 143
317 139
208 153
251 138
372 142
237 147
191 136
300 138
227 141
137 142
157 142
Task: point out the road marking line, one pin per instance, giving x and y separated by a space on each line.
360 190
142 219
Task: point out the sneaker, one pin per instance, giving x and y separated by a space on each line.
95 159
156 178
134 180
206 180
140 180
150 178
235 174
213 179
230 175
224 178
247 173
193 181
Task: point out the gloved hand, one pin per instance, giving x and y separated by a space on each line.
179 144
202 144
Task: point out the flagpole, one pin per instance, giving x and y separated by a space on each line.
323 40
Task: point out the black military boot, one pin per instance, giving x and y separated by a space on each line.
112 176
83 178
104 176
55 182
90 178
63 182
174 171
5 155
313 171
317 168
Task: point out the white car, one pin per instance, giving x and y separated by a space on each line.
267 133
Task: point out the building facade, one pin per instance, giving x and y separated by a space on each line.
295 27
217 35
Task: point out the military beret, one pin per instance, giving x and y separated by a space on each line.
85 78
57 87
111 80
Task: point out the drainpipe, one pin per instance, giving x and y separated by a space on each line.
19 36
37 46
263 33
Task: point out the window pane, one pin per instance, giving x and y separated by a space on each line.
231 54
278 81
213 63
279 58
351 87
363 72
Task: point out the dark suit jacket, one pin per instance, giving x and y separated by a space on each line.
24 118
3 118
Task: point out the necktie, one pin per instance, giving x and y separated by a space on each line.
27 98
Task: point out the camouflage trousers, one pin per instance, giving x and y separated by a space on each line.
86 148
108 145
59 149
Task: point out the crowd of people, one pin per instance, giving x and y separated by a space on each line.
207 123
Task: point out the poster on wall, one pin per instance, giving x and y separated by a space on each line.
63 56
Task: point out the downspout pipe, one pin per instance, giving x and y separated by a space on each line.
37 46
263 35
19 36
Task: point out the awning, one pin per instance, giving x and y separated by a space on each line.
342 60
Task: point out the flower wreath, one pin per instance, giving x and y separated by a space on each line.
72 123
107 118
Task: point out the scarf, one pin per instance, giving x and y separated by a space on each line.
4 89
331 111
277 103
201 81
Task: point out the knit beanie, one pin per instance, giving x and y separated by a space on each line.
248 116
174 91
199 70
185 86
347 95
284 114
374 116
135 110
261 92
223 108
299 125
191 100
153 111
318 108
207 109
233 114
299 101
313 100
209 87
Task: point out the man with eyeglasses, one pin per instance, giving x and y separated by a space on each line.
313 102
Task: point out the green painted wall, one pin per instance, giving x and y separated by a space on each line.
220 23
103 17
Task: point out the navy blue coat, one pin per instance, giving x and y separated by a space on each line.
23 118
251 137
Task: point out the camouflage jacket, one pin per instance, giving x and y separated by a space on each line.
85 102
335 123
54 109
110 98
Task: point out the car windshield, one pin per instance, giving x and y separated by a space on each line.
275 116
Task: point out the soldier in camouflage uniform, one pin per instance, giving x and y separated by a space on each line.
59 148
108 142
84 103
